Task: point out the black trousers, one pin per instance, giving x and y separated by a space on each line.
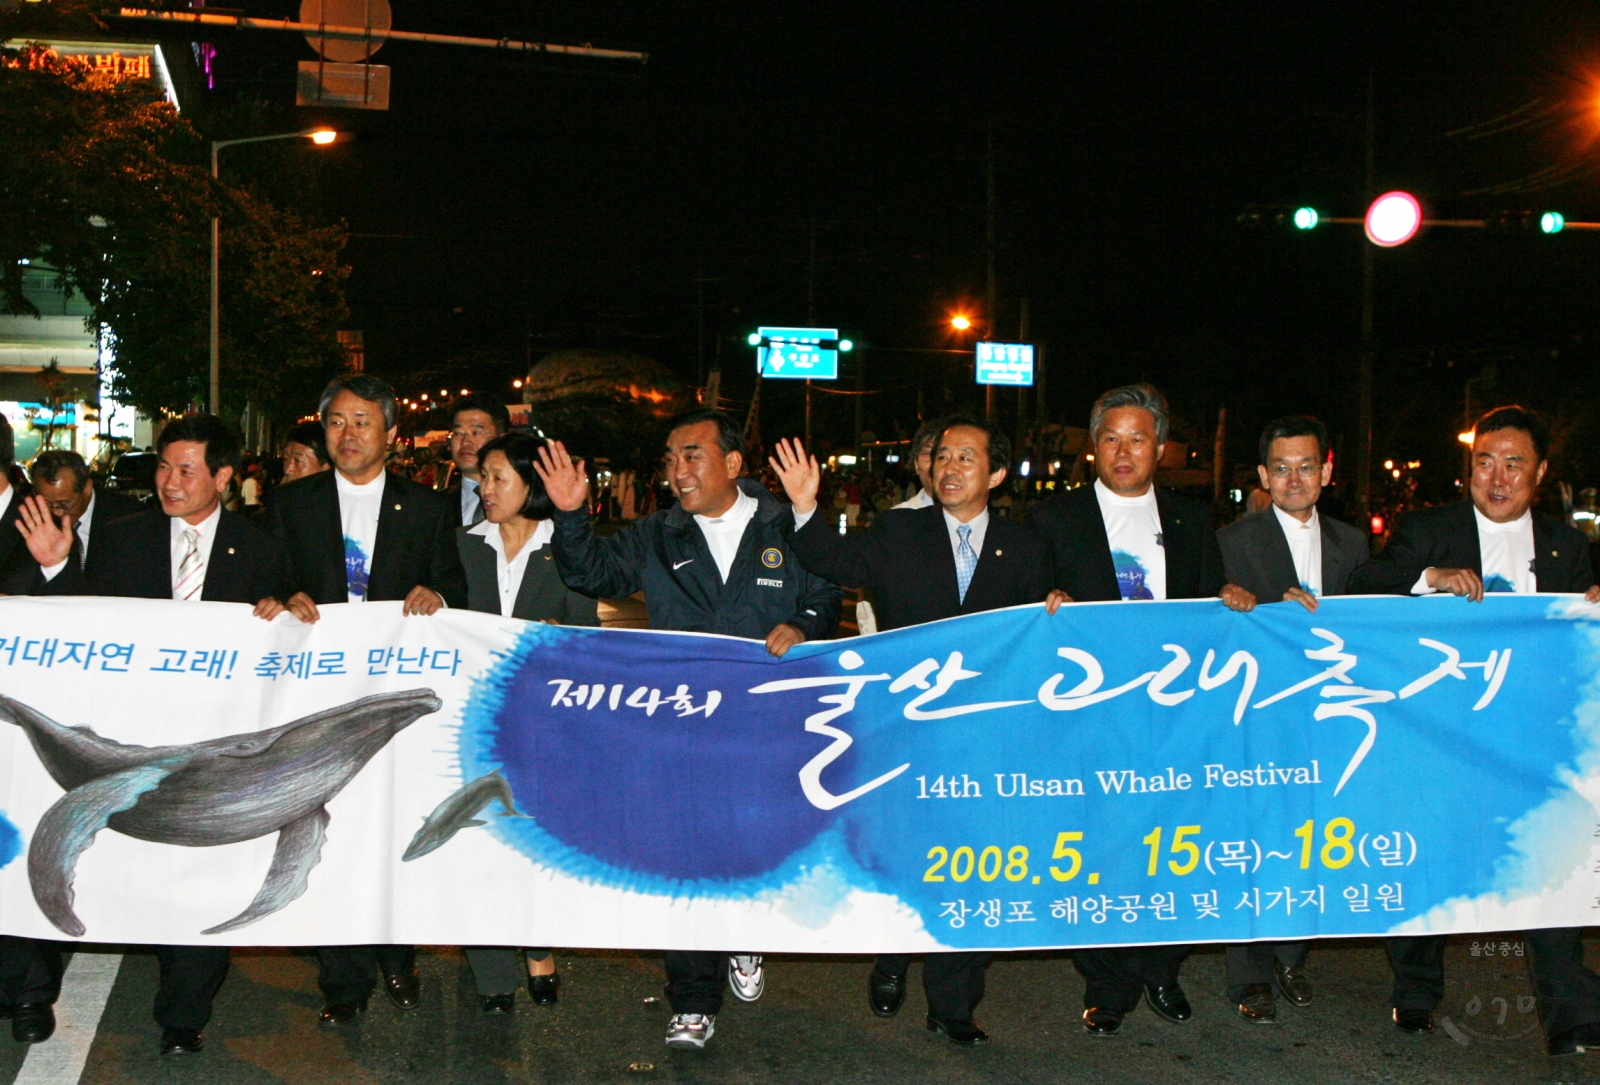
1251 963
191 976
30 971
1116 978
695 979
1418 965
500 971
952 982
348 973
1568 992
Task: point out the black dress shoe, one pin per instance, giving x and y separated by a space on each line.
1257 1005
885 993
1293 983
544 989
1170 1002
497 1004
181 1041
1100 1022
1413 1021
33 1022
340 1014
965 1033
1575 1041
403 990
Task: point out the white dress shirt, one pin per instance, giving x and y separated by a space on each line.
1505 553
979 525
921 501
724 532
1305 547
509 572
207 531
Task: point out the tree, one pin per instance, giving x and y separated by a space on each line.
114 192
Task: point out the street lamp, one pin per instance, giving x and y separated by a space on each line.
961 322
321 137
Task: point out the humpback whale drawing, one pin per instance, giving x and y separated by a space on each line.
206 793
460 811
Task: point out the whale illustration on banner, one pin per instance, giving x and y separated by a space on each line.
460 811
204 794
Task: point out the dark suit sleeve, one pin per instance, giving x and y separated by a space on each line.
817 612
580 610
110 538
1395 570
1212 575
843 559
603 568
445 574
273 575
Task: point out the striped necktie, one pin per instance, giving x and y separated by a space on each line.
191 570
966 560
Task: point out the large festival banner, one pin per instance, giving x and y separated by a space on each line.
1112 774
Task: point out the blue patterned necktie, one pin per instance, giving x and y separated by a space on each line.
966 560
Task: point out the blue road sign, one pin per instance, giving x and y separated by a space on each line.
798 353
1005 363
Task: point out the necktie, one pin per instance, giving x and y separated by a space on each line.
83 544
966 560
191 570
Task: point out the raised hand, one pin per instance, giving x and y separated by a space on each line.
48 541
799 473
565 480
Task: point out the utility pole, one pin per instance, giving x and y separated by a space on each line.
1022 389
988 247
1364 359
811 311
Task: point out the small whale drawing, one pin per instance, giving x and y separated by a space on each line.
460 811
204 794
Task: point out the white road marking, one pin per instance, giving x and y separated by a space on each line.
84 990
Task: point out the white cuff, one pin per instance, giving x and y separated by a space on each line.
1421 586
51 573
801 521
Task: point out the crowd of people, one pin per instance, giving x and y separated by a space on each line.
514 536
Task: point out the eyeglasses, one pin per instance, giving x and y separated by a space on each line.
1304 470
475 431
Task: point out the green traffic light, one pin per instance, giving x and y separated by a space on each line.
1306 218
1552 222
754 339
846 346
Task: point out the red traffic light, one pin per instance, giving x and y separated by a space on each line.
1393 219
1377 524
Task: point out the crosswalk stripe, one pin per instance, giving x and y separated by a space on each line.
84 990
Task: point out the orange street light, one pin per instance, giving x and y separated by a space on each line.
323 136
1466 438
960 322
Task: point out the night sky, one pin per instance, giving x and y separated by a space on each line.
508 205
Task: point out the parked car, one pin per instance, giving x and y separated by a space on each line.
134 474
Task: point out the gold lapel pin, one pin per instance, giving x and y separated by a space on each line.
230 549
997 553
397 508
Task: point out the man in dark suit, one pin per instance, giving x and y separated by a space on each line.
189 549
14 557
62 479
922 565
354 534
1288 552
1124 539
1494 542
475 420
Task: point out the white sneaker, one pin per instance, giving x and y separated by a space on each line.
747 978
691 1029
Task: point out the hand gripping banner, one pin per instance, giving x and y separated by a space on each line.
1112 774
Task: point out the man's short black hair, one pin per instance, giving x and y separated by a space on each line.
926 435
8 444
1295 425
1515 417
312 435
488 405
730 438
999 443
222 444
47 467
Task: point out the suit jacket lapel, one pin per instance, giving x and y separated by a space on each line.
1545 557
1182 572
1336 562
942 559
1093 528
391 510
1465 531
1276 556
483 578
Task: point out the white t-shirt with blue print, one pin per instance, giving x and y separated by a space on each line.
358 516
1133 529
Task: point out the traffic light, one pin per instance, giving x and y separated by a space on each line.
1393 219
1301 218
1376 523
1306 218
1552 222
